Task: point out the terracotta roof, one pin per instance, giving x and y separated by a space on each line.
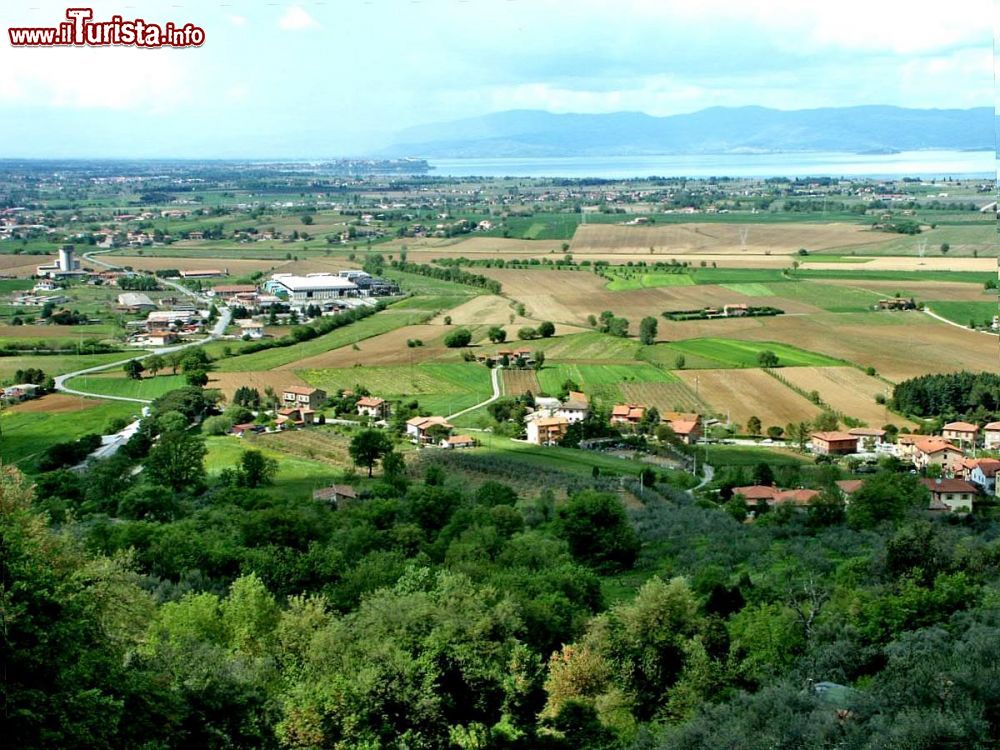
849 486
756 492
551 421
935 445
459 440
424 422
961 427
833 436
300 390
679 416
683 427
628 411
993 427
796 497
948 485
989 466
335 491
867 432
370 401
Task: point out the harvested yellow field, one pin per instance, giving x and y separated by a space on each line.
228 382
741 394
922 290
898 345
23 265
848 391
486 309
385 349
901 263
720 239
569 297
518 382
235 267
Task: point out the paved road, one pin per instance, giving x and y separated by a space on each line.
953 323
495 376
225 315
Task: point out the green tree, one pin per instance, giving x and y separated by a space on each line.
154 364
886 496
133 369
767 358
647 330
255 469
368 446
598 531
458 338
680 362
196 378
753 425
177 460
497 334
546 329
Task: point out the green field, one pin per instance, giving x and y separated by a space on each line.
965 312
427 285
296 477
569 460
750 289
624 281
116 384
57 364
27 434
734 353
383 322
830 297
601 381
591 345
741 455
440 388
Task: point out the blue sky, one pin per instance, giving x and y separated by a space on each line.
324 79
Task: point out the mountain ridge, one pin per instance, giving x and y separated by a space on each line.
715 130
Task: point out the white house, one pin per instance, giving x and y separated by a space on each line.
370 406
991 436
574 409
251 329
869 438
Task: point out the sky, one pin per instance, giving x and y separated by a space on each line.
338 78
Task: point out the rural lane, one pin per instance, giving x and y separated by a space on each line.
225 315
495 376
953 323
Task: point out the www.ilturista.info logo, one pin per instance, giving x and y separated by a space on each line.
81 31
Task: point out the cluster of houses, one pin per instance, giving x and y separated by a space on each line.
947 495
426 431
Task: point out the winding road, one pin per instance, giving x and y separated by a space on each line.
225 316
953 323
495 376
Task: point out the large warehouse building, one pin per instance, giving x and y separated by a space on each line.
313 286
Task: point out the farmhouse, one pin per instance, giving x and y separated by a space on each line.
418 427
935 451
991 436
335 494
546 430
296 415
574 409
757 493
735 310
686 425
956 494
20 392
834 443
203 273
370 406
982 472
458 441
627 414
311 287
960 432
251 329
869 438
897 303
303 396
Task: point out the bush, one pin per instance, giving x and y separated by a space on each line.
458 338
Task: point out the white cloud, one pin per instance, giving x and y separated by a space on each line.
296 19
238 21
118 78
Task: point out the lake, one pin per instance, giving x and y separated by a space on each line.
969 164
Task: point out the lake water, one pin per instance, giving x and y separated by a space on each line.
969 164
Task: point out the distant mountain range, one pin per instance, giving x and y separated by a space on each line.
718 130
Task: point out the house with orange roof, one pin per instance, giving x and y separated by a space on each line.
627 414
546 430
458 441
833 443
956 494
991 436
758 493
981 472
963 433
295 416
417 427
935 451
372 406
303 396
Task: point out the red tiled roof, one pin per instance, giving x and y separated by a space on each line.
948 485
961 427
849 486
833 437
756 492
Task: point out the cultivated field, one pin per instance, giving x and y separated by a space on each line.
929 263
848 391
53 403
589 346
517 382
899 345
664 396
114 383
921 290
718 238
385 349
228 382
601 380
741 394
23 265
486 309
234 266
736 353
